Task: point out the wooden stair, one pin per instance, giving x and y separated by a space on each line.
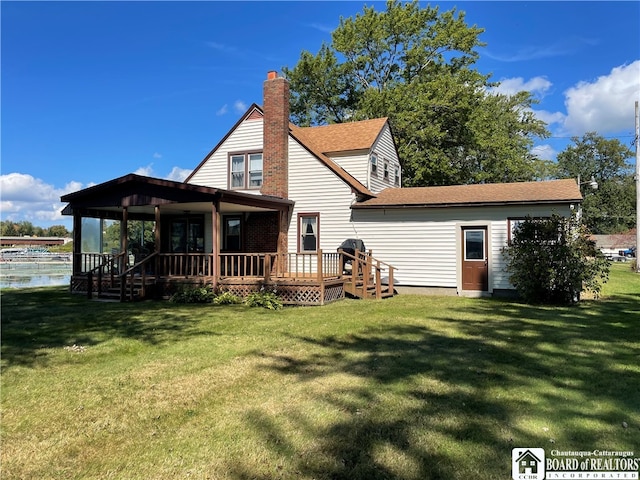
365 279
132 292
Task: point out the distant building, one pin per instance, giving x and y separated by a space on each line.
6 241
612 245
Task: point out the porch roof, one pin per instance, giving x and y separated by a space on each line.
141 194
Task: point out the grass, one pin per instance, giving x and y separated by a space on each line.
406 388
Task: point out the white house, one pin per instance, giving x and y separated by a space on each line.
271 186
345 180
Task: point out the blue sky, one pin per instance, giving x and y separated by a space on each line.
95 90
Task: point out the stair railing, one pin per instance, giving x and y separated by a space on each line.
131 273
108 263
363 267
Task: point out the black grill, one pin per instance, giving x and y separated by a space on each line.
350 246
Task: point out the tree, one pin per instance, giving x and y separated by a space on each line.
415 66
552 260
57 231
610 208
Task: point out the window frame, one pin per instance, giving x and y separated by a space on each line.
301 242
373 161
246 170
385 170
225 233
397 175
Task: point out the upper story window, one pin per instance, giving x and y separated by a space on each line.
397 176
374 164
386 170
245 170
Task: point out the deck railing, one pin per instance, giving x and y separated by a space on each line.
281 265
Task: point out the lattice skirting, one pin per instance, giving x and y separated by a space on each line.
292 294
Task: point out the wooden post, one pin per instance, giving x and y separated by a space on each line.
158 240
378 275
77 244
319 266
267 268
214 269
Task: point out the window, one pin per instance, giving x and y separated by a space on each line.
514 223
255 170
232 234
308 232
245 170
386 170
397 175
374 164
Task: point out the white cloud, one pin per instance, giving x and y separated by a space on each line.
27 198
605 105
222 110
511 86
157 155
550 117
239 106
544 152
178 174
146 171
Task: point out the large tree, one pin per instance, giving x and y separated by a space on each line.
415 66
611 207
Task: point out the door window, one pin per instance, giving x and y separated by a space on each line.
187 235
474 244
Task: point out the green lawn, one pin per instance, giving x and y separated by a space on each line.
405 388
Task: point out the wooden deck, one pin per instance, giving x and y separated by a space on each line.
298 278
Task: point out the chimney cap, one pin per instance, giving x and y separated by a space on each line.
272 74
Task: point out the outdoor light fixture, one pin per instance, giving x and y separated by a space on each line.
592 182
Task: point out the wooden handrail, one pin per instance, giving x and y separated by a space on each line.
131 271
365 262
106 261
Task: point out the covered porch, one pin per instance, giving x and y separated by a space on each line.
195 235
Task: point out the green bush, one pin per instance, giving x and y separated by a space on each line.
201 294
552 260
264 298
227 298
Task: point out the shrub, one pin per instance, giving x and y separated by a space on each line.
202 294
264 298
227 298
552 260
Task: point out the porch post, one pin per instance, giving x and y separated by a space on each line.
215 245
77 243
283 240
157 240
123 239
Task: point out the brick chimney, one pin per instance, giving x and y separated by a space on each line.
275 149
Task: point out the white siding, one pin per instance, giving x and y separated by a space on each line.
214 172
423 244
356 165
385 149
315 188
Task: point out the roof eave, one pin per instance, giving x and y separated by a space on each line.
465 204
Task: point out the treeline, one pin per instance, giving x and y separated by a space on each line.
9 228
